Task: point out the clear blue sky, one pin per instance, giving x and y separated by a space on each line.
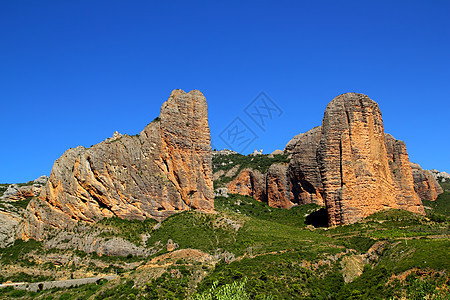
73 72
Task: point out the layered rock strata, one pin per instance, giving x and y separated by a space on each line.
164 169
401 172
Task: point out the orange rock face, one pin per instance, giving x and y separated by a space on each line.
400 167
249 182
164 169
354 165
285 185
277 186
348 164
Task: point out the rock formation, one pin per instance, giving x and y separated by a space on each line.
16 192
400 167
425 183
440 176
251 183
304 176
9 225
164 169
285 185
348 164
277 186
354 164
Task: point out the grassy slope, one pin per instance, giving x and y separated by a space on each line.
276 252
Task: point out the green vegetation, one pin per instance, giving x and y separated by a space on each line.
21 204
17 253
131 230
31 182
194 230
247 206
284 276
82 292
441 205
445 185
259 252
232 291
3 188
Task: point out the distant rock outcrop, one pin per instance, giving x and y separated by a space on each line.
400 167
285 185
164 169
251 183
11 214
16 192
425 183
354 164
277 186
440 176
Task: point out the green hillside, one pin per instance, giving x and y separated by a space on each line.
250 249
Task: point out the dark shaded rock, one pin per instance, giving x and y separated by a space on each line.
303 173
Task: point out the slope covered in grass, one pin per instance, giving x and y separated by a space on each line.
270 253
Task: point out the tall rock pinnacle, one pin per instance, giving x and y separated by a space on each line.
354 165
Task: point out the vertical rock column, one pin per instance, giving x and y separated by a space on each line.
353 161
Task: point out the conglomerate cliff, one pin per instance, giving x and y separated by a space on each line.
354 163
348 164
164 169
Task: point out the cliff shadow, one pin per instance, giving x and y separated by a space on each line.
319 218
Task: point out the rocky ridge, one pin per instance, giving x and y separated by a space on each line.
164 169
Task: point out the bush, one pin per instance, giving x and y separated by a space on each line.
18 293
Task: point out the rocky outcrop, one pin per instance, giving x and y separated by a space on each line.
277 186
285 185
401 172
249 182
348 164
164 169
16 192
440 176
425 183
303 173
353 162
9 226
89 239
